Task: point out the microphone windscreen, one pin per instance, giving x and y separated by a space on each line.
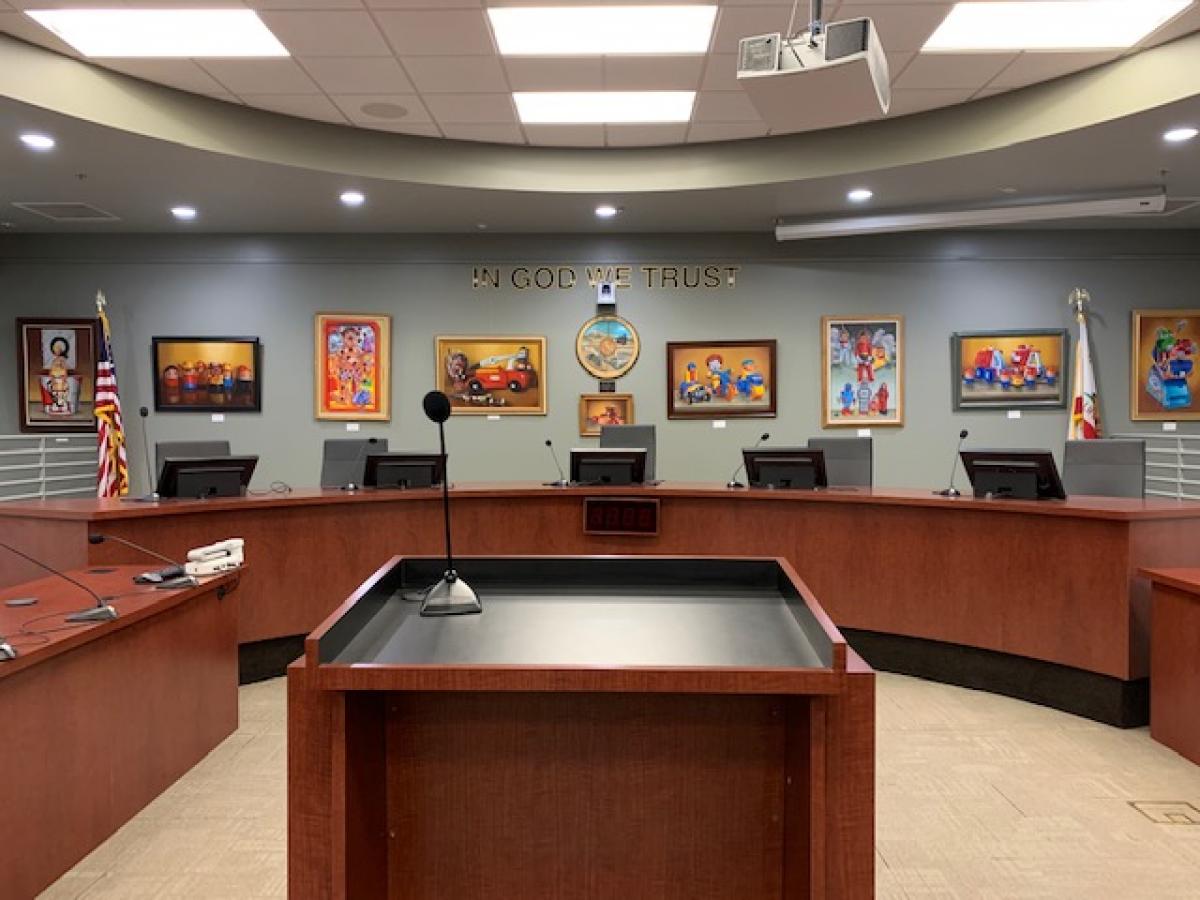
143 412
765 437
437 406
95 539
962 435
549 443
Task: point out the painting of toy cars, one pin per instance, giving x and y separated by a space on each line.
492 375
1163 365
721 379
1009 369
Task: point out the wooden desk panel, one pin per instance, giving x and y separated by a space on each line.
1175 660
100 719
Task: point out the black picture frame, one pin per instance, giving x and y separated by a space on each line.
228 391
968 395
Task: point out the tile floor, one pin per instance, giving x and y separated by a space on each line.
979 797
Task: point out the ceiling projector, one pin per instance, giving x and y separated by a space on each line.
830 75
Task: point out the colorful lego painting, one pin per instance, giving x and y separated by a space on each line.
492 375
207 374
598 410
56 374
862 371
353 366
721 379
1010 369
1164 383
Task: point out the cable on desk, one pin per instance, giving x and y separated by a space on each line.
276 487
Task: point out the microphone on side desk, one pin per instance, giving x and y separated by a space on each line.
362 455
733 482
451 596
562 479
101 612
952 491
174 575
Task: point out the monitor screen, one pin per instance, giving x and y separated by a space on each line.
796 468
1013 474
404 470
198 476
608 465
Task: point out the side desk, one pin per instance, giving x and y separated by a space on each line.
1175 660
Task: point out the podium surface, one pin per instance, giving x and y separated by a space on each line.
607 727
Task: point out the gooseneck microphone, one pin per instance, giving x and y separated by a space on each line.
733 481
451 596
152 495
562 479
174 570
362 455
952 491
101 612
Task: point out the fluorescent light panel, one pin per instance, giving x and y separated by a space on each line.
130 33
596 30
1060 25
600 107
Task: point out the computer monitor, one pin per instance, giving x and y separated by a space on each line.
404 470
1013 474
205 476
608 465
796 468
344 459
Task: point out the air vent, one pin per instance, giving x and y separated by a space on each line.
67 212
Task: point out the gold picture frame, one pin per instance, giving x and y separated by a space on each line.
493 375
597 410
1163 385
352 366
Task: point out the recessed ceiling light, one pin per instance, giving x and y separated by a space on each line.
212 33
606 211
184 213
1057 25
597 107
353 198
860 195
1179 135
35 141
596 30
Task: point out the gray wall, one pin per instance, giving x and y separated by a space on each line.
271 286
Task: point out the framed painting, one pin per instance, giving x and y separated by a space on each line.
492 375
597 410
353 367
56 375
1162 369
607 346
862 371
1010 369
721 379
207 374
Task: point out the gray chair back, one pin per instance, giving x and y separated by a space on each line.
1112 467
631 436
343 460
166 449
849 461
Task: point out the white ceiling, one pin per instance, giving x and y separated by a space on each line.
431 68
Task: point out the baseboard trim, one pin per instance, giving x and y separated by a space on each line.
261 660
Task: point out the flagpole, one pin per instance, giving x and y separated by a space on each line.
1084 420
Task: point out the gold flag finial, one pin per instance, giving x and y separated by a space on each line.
1078 300
100 302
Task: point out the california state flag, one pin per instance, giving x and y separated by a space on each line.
1085 415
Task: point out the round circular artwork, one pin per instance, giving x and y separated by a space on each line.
607 346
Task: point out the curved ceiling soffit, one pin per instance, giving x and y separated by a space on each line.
47 80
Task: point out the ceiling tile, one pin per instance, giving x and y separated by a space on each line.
724 131
1184 23
645 135
737 22
422 129
492 134
720 73
426 4
533 73
182 74
260 76
298 4
365 75
905 102
440 33
320 33
724 106
353 107
1031 67
566 135
902 27
305 106
659 73
471 108
943 71
21 26
457 74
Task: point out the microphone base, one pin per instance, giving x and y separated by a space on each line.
562 482
949 492
7 651
349 487
152 497
734 483
450 597
95 614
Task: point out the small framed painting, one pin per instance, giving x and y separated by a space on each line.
598 410
1010 369
492 375
207 374
56 375
862 371
352 366
1163 378
721 379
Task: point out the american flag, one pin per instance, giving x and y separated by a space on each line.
113 477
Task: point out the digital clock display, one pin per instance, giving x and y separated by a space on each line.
620 515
